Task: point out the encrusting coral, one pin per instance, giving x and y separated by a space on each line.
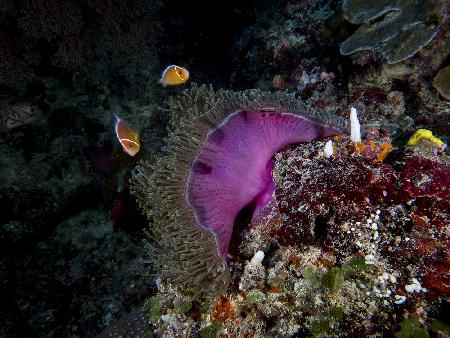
398 28
216 162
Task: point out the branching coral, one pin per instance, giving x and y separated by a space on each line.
217 161
398 28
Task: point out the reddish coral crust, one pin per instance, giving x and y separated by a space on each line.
317 198
424 177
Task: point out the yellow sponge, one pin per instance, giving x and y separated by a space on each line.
421 135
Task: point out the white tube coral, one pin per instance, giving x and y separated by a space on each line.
328 149
355 126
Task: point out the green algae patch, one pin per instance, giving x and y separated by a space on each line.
437 325
149 334
311 275
212 330
336 313
256 297
354 266
333 279
319 328
410 328
206 307
191 291
154 307
183 307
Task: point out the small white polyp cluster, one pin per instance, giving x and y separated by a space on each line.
355 126
369 259
368 240
172 321
410 288
257 258
384 285
372 223
328 150
414 287
399 299
254 272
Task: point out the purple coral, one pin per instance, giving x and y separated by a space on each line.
230 170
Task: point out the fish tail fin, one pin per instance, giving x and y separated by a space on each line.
116 123
116 116
160 82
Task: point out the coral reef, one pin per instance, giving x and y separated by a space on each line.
351 247
64 67
399 29
279 44
207 161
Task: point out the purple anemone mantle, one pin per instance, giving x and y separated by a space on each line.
234 167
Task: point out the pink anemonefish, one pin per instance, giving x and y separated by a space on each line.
174 75
128 138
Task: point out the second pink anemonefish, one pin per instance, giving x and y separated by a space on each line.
174 75
128 138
